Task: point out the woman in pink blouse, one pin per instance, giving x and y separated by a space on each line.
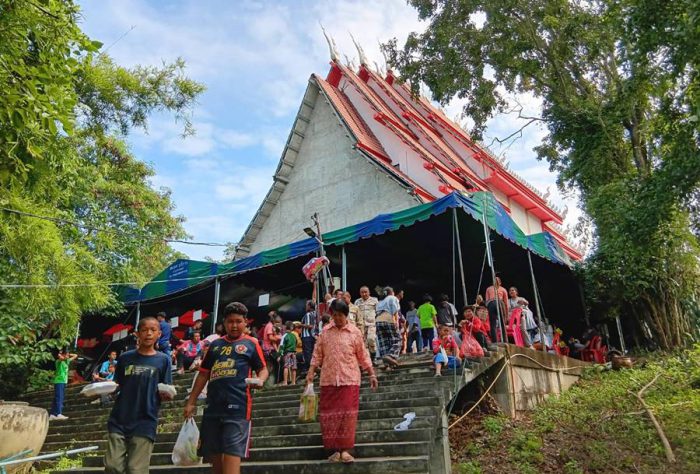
340 352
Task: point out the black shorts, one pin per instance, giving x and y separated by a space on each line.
221 435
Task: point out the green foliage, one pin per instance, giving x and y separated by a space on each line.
607 426
468 467
494 424
64 114
620 87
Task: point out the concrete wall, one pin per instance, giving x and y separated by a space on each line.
333 179
526 383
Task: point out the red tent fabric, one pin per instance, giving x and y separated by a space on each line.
187 319
85 343
117 328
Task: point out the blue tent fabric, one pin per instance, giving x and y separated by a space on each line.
183 274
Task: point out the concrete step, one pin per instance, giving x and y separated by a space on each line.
99 432
76 401
397 391
407 361
288 418
382 465
309 453
166 441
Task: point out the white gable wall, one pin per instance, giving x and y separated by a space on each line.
333 179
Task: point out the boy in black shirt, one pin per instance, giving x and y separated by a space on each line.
134 418
225 430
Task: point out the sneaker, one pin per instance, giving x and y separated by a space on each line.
95 402
52 417
61 417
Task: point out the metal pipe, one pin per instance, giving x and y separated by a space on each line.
537 303
48 456
501 320
344 275
459 255
138 313
215 311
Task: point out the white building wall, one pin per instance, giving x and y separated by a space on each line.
519 215
320 182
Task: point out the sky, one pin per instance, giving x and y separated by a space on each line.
255 58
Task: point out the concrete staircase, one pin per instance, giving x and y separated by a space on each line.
280 443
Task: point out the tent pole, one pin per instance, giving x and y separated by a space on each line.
481 276
619 332
215 311
138 313
77 335
344 275
459 254
537 302
489 254
454 269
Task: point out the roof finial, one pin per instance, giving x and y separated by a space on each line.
332 48
360 52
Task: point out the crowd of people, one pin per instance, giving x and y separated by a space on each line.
338 337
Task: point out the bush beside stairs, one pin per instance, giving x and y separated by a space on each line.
282 444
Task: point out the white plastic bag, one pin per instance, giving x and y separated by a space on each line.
166 389
308 408
185 450
408 419
99 388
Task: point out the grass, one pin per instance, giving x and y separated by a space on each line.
598 426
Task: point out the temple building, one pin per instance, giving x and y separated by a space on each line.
362 145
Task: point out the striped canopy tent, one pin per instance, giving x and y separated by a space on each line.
184 274
416 249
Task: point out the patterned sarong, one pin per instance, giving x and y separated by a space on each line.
388 340
338 409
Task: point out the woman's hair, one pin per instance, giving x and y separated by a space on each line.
340 306
388 291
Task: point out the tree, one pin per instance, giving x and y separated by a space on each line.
77 212
620 91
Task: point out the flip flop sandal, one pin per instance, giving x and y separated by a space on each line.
347 458
335 457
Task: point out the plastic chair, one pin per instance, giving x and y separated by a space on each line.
513 329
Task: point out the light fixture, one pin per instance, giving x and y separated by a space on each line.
310 232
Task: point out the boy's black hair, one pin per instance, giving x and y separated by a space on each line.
289 325
464 310
427 298
340 306
197 332
311 304
162 314
444 297
235 308
147 318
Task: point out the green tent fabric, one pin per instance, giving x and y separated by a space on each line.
187 273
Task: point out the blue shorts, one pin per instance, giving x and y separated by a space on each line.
451 361
221 435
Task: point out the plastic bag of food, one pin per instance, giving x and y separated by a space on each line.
185 450
309 405
99 388
166 389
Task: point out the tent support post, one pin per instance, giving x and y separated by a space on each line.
215 310
619 332
537 302
77 335
344 275
454 269
489 253
138 313
459 255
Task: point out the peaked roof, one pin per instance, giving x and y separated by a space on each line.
441 145
409 139
184 274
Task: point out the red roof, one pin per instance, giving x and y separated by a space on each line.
439 158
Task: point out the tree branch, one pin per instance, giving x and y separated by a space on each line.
670 457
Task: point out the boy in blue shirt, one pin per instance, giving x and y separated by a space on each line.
134 418
165 333
225 430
